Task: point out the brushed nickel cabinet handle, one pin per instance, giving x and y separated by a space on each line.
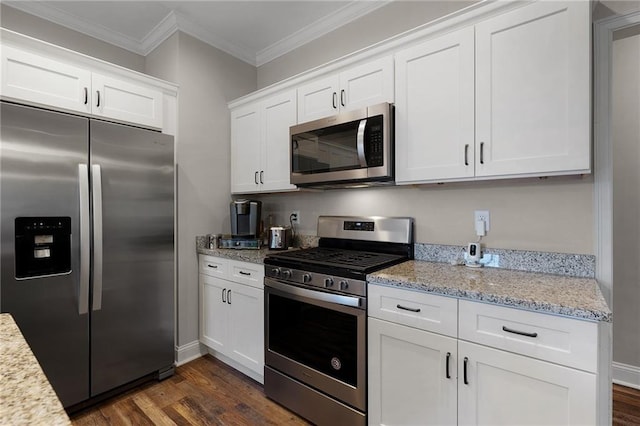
466 154
335 100
481 152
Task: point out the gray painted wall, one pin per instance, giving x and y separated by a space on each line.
24 23
626 199
208 79
390 20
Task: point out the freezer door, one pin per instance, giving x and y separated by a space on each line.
132 323
40 154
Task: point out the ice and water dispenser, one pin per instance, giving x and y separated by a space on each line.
43 246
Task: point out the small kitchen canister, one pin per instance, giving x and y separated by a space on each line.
213 241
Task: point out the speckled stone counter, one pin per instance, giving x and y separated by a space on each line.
552 294
26 396
249 255
252 256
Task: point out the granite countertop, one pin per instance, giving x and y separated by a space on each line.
553 294
246 255
26 395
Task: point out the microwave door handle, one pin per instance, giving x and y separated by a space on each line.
360 143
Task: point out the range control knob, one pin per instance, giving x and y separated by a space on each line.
328 282
286 274
344 284
306 278
275 272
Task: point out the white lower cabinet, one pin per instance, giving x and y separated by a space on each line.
412 376
501 388
231 313
420 373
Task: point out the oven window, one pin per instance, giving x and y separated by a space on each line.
317 337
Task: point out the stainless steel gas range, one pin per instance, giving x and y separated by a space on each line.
316 318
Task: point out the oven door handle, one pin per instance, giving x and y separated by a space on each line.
340 299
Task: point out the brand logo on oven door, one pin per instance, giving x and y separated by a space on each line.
335 363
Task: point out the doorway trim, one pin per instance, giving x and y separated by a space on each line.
603 169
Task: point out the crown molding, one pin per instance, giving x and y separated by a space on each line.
46 11
210 37
340 17
177 22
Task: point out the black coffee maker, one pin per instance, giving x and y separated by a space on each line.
245 218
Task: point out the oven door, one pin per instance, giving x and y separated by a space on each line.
317 338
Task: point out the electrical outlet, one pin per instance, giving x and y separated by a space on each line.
483 215
295 217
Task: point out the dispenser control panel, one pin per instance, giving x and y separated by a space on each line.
43 246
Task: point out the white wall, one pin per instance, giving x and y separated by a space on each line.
626 199
208 79
16 20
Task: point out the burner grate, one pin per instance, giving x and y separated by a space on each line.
351 259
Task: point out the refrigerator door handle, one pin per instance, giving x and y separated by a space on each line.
96 187
85 241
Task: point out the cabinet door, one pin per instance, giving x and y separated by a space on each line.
246 326
435 109
214 312
533 91
508 389
318 99
245 149
408 383
40 80
367 84
121 100
278 114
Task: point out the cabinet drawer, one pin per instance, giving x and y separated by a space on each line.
429 312
247 273
214 266
552 338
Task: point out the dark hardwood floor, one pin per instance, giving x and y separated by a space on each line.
208 392
202 392
626 406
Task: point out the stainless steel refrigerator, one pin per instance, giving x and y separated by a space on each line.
87 255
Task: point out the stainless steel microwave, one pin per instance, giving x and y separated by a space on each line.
354 148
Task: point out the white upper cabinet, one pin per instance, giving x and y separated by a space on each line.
363 85
121 100
533 106
260 144
508 97
245 149
37 79
43 81
278 114
435 109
